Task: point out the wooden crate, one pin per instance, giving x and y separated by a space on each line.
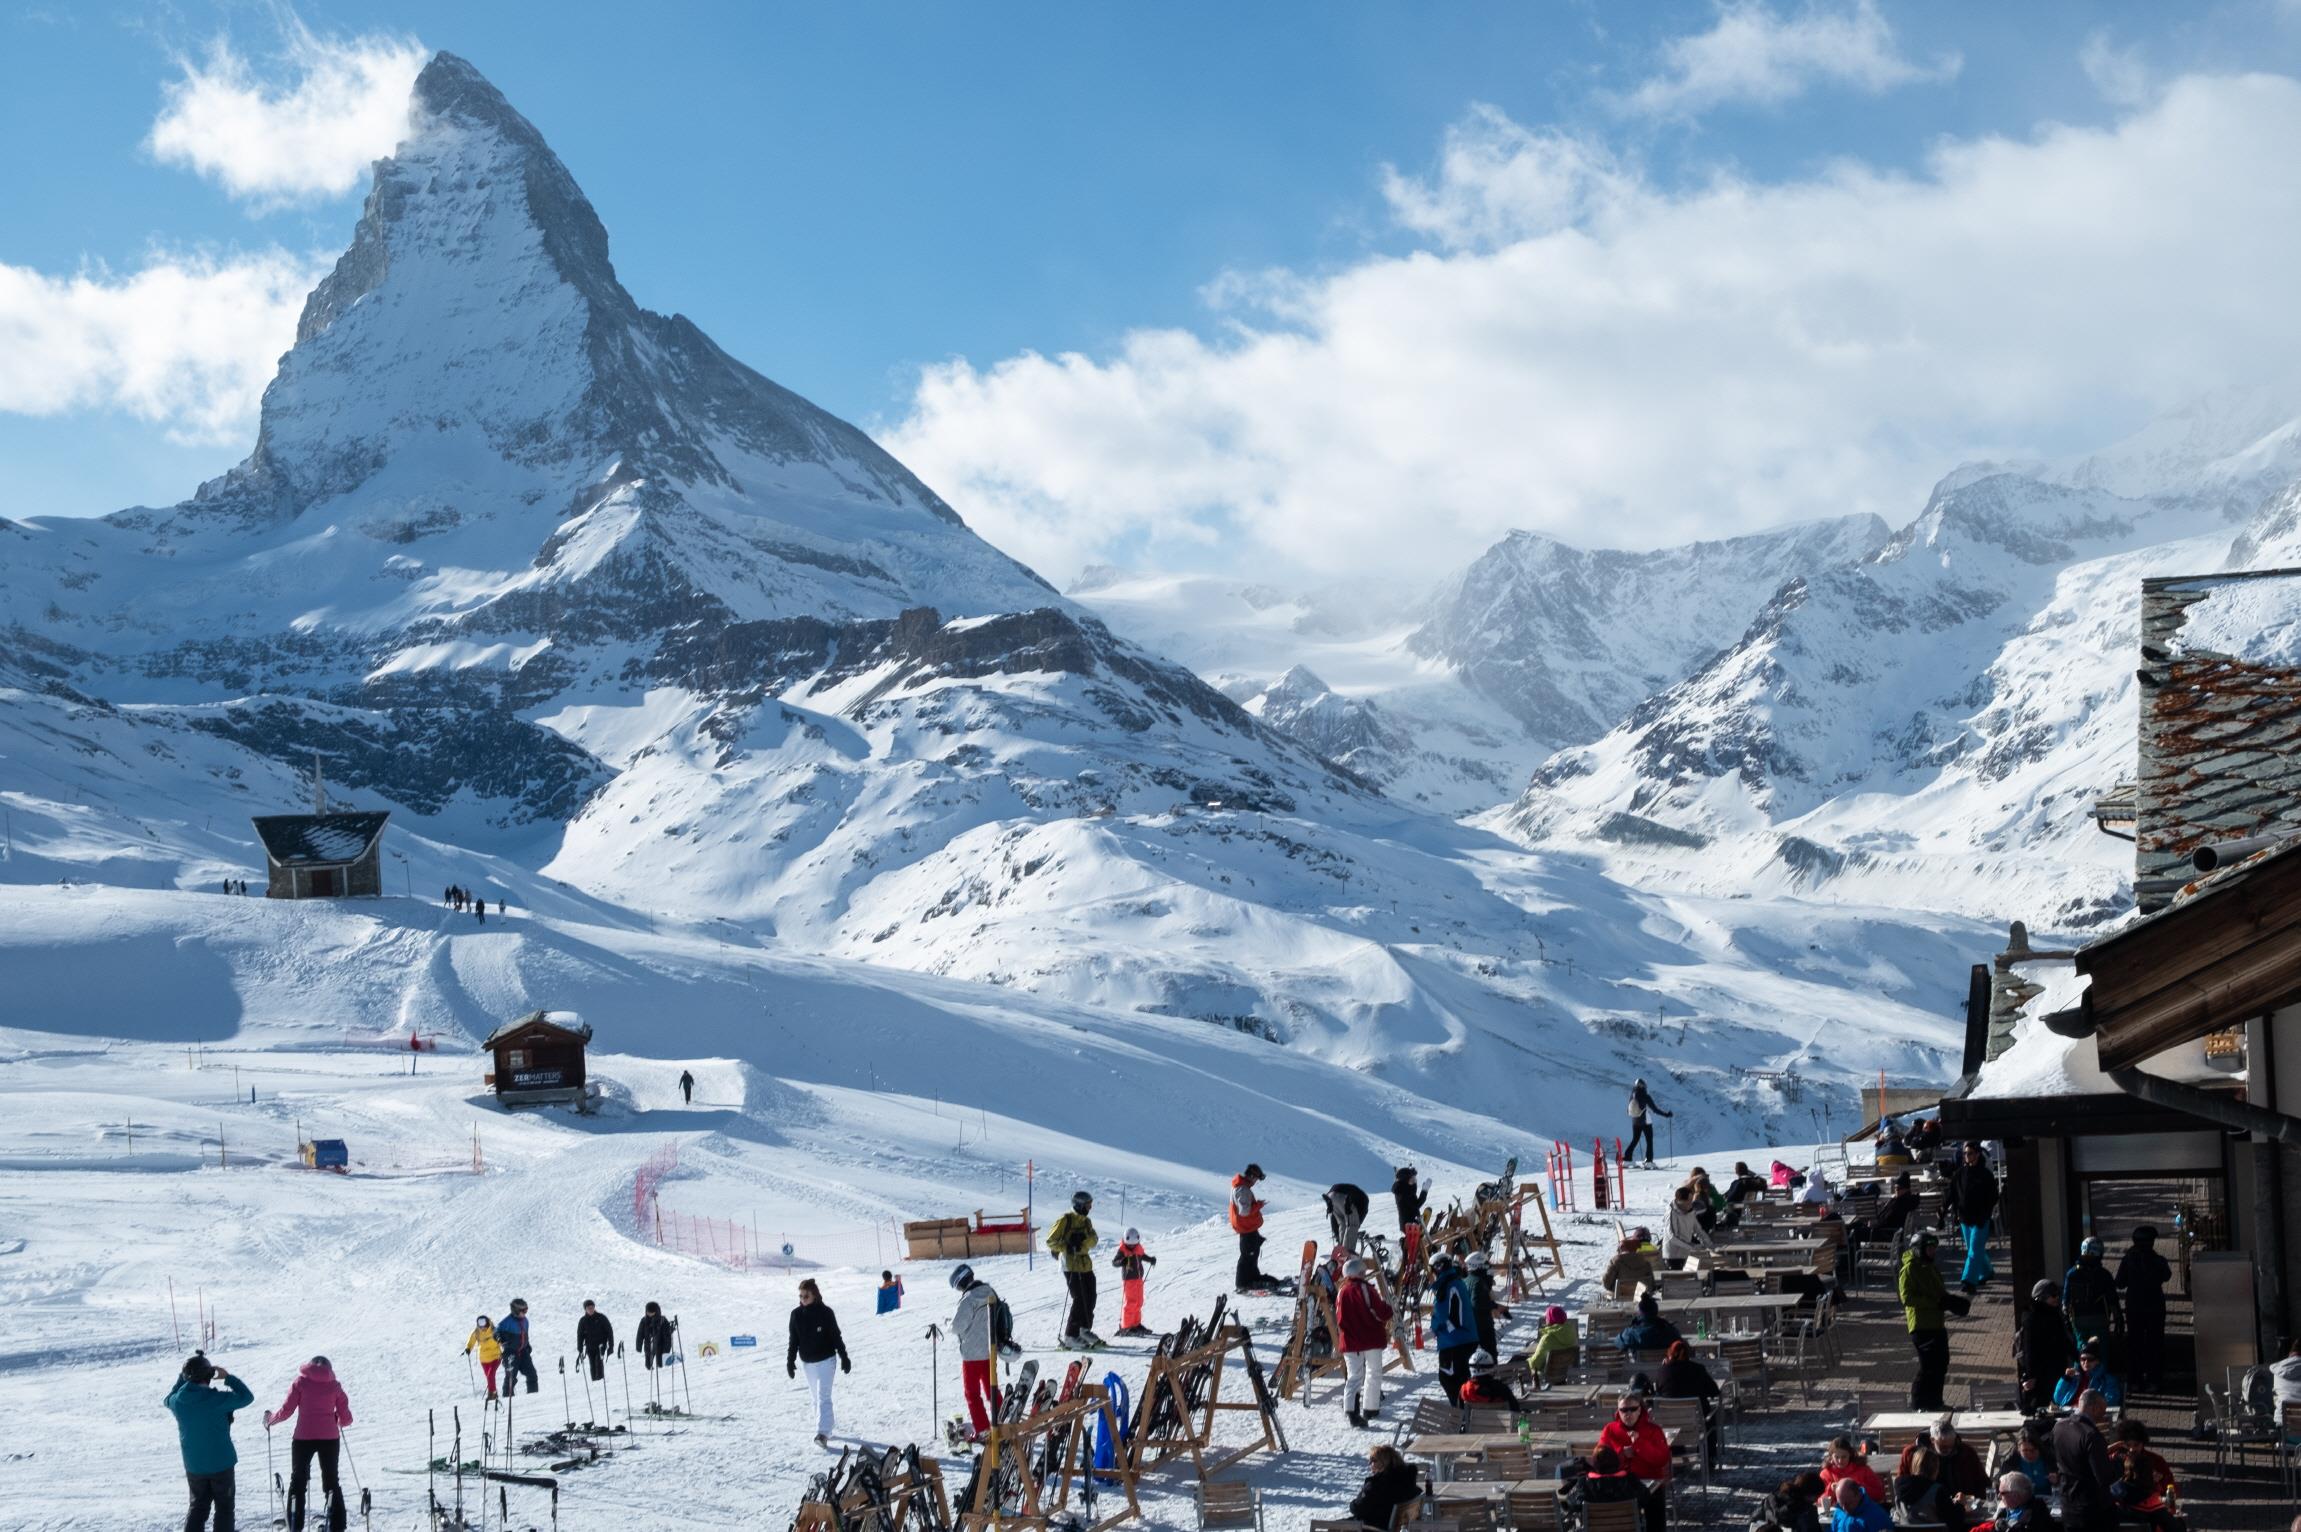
936 1239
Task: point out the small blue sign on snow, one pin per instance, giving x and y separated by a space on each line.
742 1340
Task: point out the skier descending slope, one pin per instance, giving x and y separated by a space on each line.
815 1340
1073 1238
1132 1263
1641 1124
321 1410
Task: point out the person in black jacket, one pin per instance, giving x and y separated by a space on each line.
815 1340
1681 1377
2082 1469
1747 1186
1391 1482
1973 1197
2142 1276
654 1338
1641 1124
1484 1310
2042 1349
1345 1210
1794 1506
594 1338
1406 1191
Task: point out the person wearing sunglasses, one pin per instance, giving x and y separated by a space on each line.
1644 1450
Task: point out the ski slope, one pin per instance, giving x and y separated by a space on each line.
833 1102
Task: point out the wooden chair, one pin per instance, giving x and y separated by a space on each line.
1477 1470
1536 1510
1612 1516
1345 1524
1558 1367
1691 1423
1748 1360
1626 1290
1407 1513
1470 1514
1229 1503
1510 1464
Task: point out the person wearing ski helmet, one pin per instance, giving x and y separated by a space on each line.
976 1328
204 1433
1133 1263
1453 1323
654 1337
2089 1295
1484 1387
1642 1112
321 1410
1364 1317
514 1336
815 1340
1072 1240
1246 1223
482 1339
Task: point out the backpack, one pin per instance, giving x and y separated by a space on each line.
2258 1390
1002 1324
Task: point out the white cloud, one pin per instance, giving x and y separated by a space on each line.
1583 352
1757 55
188 342
271 142
2119 74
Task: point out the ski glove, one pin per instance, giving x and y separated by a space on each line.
790 1369
845 1365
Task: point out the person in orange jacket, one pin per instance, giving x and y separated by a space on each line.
1246 1222
1133 1263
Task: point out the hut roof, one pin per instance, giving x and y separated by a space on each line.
566 1023
307 839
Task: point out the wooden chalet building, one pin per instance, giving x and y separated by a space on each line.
539 1059
322 856
2156 1074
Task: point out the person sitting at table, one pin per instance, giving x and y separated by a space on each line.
1940 1479
1782 1174
1560 1342
1891 1144
2091 1372
1649 1331
1841 1459
1484 1387
2144 1490
1644 1449
1681 1377
1391 1482
2030 1461
1794 1506
1854 1509
1629 1264
1608 1479
1683 1237
1747 1185
2021 1507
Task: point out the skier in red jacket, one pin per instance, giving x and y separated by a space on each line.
1364 1318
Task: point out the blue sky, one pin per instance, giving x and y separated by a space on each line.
844 194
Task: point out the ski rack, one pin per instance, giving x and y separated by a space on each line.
1191 1427
1524 1265
1014 1448
901 1505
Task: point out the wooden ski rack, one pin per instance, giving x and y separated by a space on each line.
1297 1370
1017 1445
1191 1428
1525 1266
903 1494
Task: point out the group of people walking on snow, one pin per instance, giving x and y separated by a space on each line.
457 897
204 1399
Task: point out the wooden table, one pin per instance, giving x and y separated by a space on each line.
1974 1422
1766 1305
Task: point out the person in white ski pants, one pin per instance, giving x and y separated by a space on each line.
816 1341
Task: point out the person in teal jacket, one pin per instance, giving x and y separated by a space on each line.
2090 1372
204 1432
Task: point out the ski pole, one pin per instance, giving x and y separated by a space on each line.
565 1408
271 1474
355 1468
934 1378
431 1464
470 1372
623 1360
457 1412
686 1389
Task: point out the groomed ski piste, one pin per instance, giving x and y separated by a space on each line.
133 1166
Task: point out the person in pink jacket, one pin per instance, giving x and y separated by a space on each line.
321 1410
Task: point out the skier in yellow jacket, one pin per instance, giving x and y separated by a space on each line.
1073 1240
490 1351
